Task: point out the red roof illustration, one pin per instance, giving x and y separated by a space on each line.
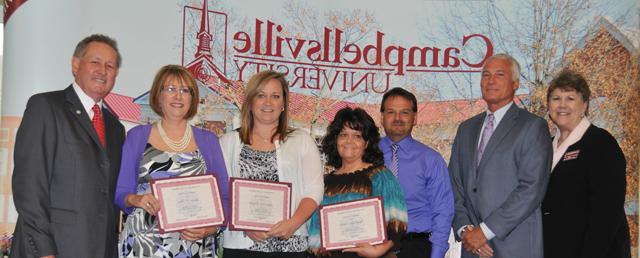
123 107
304 107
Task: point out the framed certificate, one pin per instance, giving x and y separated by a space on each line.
258 205
345 224
188 202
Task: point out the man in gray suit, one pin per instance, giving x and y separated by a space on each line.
67 156
500 163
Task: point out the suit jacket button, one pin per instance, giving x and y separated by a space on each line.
475 190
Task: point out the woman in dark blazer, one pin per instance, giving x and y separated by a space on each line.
583 210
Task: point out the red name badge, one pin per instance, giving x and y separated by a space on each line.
571 155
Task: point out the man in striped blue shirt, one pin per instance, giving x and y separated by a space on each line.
423 175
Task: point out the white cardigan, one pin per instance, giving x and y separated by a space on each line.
299 163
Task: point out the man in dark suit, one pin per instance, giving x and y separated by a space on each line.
67 156
500 163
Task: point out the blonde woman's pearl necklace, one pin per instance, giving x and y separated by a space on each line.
178 145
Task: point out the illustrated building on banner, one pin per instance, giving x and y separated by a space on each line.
204 54
208 64
614 51
203 67
215 111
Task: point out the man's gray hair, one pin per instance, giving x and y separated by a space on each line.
81 48
515 66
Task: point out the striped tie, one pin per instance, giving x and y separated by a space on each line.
486 135
394 159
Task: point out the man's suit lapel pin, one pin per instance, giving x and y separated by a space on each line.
78 112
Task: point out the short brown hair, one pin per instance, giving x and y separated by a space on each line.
568 80
180 73
256 82
400 92
81 48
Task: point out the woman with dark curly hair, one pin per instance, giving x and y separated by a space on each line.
351 148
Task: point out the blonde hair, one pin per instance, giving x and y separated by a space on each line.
256 82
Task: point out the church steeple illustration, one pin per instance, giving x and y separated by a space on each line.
203 67
204 35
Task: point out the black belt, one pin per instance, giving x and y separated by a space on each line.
413 235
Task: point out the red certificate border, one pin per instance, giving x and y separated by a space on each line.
236 183
157 187
323 213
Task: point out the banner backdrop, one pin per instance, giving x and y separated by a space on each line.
335 54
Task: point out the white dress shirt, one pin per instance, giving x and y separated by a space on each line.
87 102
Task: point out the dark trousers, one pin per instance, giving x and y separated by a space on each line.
415 245
239 253
340 254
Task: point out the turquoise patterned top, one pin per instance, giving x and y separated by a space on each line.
375 180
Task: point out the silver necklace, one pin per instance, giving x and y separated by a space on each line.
266 140
178 145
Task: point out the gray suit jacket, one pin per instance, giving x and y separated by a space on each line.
506 188
64 180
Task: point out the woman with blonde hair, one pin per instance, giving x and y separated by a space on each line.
266 148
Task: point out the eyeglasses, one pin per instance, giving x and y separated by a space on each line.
172 90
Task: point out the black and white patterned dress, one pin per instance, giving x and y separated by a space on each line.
263 165
141 236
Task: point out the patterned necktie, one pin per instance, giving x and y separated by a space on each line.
394 159
486 135
98 122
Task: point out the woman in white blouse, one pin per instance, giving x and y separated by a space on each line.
266 148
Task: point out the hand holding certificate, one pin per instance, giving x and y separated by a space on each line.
346 224
258 205
188 202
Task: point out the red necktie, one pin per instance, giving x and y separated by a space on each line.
98 122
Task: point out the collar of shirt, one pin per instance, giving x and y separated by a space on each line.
87 102
404 144
497 116
575 135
